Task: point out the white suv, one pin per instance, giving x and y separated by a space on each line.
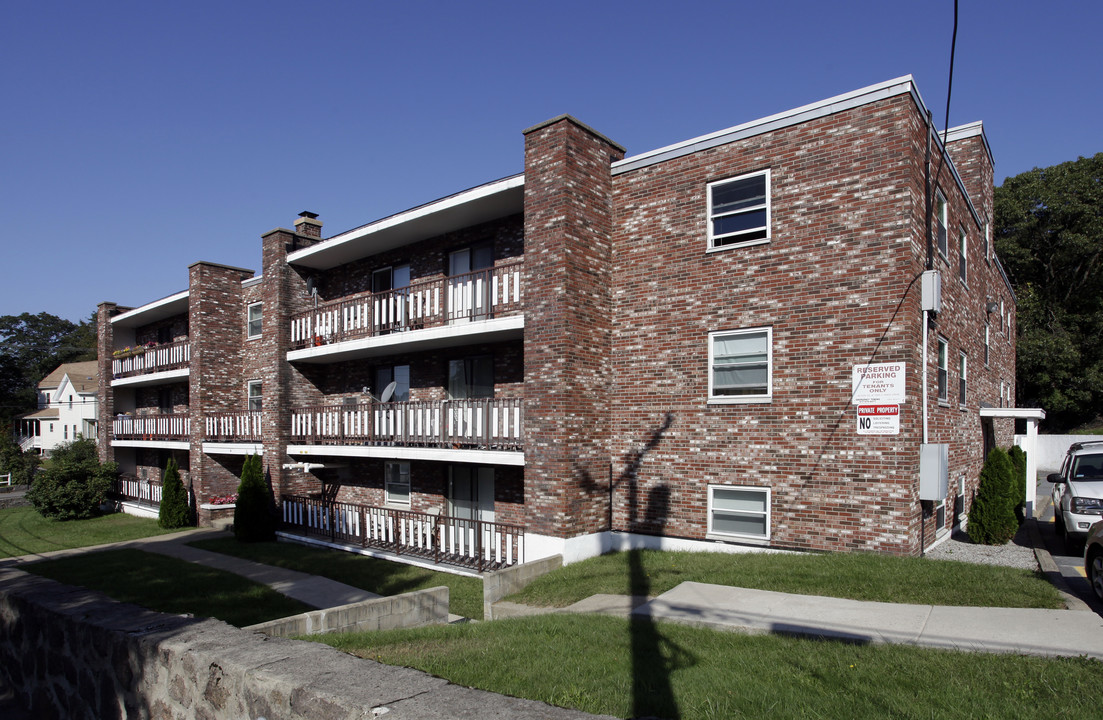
1078 492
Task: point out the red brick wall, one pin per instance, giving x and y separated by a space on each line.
568 302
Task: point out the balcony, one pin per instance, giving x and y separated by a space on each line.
233 427
236 433
148 365
435 312
473 544
170 427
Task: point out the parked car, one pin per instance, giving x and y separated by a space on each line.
1093 559
1078 492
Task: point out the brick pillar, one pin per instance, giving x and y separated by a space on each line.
568 262
216 332
105 407
283 293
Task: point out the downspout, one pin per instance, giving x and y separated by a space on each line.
930 261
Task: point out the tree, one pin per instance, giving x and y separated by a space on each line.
32 346
174 511
21 465
73 484
992 517
254 512
1048 228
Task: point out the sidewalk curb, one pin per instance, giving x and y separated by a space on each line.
1051 571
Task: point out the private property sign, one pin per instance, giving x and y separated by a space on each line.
878 419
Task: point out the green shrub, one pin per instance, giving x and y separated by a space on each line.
174 511
21 465
73 484
992 517
1018 464
255 511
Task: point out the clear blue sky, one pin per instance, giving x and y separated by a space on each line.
139 137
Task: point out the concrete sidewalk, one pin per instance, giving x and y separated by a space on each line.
316 591
1013 630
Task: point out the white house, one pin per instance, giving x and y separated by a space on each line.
67 405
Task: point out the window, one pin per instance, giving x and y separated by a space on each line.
987 242
397 483
987 341
739 211
943 222
740 366
471 377
962 364
943 390
255 398
400 375
739 511
65 432
253 326
963 260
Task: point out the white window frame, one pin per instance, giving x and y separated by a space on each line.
712 532
963 377
258 396
250 320
742 399
987 342
402 471
942 221
963 256
714 239
988 242
943 374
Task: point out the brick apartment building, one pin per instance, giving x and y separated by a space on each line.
607 351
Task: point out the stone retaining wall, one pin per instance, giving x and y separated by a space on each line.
75 654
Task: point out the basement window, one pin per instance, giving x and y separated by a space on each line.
739 512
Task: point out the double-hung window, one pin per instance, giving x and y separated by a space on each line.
943 389
739 512
256 403
963 362
253 321
739 211
963 259
942 220
740 366
397 483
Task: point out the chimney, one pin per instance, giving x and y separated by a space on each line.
308 224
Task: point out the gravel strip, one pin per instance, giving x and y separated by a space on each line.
1018 553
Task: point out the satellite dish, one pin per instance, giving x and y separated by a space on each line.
388 392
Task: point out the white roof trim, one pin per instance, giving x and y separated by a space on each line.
155 305
448 203
973 129
795 116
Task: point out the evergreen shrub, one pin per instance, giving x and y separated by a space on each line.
255 510
1018 464
73 484
174 512
992 517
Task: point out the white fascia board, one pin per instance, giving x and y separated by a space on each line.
156 444
342 247
830 106
233 448
156 310
1017 413
492 330
157 378
249 282
485 457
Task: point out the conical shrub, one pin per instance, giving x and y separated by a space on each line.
255 512
992 517
174 511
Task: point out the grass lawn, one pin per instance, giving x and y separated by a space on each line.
170 585
627 669
857 576
465 595
23 531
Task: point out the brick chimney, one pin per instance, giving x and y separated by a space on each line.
308 224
